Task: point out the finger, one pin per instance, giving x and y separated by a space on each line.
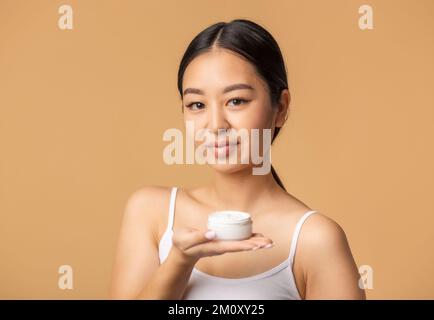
220 247
256 235
260 237
262 242
192 237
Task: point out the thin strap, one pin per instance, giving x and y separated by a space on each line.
296 234
172 208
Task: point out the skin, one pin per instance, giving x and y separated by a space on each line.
324 267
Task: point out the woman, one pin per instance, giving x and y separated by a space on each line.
232 76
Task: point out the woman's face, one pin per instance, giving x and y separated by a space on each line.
211 101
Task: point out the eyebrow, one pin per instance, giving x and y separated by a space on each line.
237 86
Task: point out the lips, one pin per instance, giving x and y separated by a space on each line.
223 150
225 144
221 144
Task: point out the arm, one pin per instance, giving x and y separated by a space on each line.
137 272
329 267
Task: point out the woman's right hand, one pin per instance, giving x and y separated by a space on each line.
192 244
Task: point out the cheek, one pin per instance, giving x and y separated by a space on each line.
199 120
193 124
257 116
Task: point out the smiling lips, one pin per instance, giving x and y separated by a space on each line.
224 149
221 148
221 144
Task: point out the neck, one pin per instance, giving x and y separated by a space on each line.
242 190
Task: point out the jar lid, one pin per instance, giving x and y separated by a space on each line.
229 217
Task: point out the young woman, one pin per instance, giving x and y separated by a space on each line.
232 76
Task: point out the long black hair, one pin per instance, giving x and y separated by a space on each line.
255 44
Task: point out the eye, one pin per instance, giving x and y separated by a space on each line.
194 106
238 101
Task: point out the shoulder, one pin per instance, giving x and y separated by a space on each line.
145 207
318 231
321 231
327 261
323 245
321 239
147 197
137 248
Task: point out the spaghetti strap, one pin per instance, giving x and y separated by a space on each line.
172 208
296 234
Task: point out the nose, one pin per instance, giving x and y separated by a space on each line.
217 119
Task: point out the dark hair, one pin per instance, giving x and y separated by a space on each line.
252 42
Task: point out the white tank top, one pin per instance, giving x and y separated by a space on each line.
277 283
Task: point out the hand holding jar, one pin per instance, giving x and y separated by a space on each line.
228 231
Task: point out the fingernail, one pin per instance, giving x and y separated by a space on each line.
210 234
269 245
255 248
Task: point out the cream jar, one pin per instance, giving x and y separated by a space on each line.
230 225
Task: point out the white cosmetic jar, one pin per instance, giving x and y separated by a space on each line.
230 225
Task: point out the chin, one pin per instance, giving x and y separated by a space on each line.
230 168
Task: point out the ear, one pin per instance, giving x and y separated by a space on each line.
283 108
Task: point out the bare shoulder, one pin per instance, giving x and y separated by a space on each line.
147 197
137 249
146 205
327 262
321 231
318 231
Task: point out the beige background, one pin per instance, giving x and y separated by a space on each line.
82 113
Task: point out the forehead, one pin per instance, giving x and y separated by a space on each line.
219 68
